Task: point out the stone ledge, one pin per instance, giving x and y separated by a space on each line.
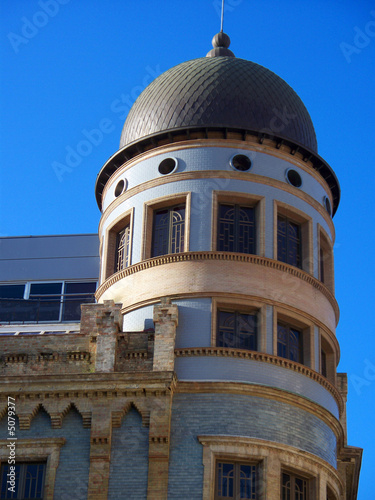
224 256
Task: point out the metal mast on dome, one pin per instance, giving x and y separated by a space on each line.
222 16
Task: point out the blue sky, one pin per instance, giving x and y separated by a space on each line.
69 67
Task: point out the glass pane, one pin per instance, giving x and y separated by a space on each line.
123 249
281 239
248 482
286 487
4 491
225 475
294 244
300 489
282 334
246 331
295 345
80 287
177 217
246 230
12 291
226 239
160 233
226 330
45 289
33 481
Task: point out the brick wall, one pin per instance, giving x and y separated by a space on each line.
129 459
225 414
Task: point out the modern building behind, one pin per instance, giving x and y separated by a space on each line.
207 367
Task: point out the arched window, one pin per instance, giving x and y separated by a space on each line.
168 230
122 249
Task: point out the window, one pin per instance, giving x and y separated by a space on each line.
289 343
118 244
236 481
44 302
325 260
237 330
289 246
123 249
236 229
168 232
28 480
323 358
293 487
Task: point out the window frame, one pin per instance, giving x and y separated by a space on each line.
310 484
236 463
242 306
61 299
110 242
150 207
306 226
325 259
238 313
307 329
22 478
242 199
41 450
326 346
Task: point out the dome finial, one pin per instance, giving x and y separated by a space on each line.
221 41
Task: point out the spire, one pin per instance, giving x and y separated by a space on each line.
220 43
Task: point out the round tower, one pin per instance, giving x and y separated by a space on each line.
217 233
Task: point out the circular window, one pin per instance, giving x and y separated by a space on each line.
327 205
241 163
120 187
293 178
167 166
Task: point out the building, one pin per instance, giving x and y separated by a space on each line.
207 369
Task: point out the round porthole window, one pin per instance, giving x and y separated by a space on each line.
241 163
120 187
293 178
327 205
167 166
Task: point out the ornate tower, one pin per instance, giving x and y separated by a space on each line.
217 248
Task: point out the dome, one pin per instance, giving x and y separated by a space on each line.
220 90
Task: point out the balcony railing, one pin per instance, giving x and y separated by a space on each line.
50 309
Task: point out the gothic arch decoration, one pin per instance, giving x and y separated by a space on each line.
117 416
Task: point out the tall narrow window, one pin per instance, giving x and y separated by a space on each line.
293 487
237 330
289 343
236 231
168 231
289 247
323 357
123 249
236 481
29 481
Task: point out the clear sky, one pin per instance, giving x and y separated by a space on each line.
71 66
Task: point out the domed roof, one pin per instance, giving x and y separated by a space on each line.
220 90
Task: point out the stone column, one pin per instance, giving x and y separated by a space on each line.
166 321
100 453
102 322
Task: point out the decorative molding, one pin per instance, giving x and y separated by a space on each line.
266 358
221 256
262 391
